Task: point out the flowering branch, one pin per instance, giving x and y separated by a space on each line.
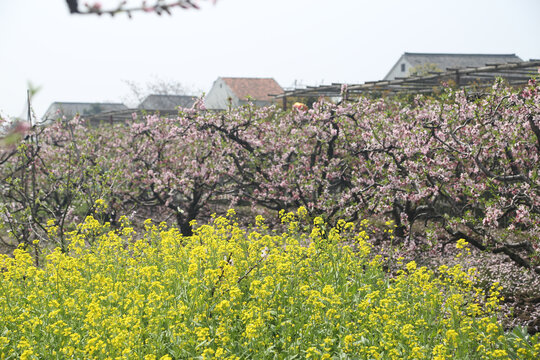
159 7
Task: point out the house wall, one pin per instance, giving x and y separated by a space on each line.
396 69
219 95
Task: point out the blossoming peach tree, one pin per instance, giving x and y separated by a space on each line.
458 166
465 165
176 168
54 176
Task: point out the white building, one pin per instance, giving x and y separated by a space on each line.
233 92
442 62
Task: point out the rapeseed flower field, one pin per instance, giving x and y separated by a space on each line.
312 291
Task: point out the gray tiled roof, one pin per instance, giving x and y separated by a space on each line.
444 61
70 109
167 102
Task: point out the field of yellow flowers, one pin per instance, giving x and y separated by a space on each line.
226 292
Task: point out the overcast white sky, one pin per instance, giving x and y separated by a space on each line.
87 58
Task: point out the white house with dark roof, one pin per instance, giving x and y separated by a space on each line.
442 62
233 92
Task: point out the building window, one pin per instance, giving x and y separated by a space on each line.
402 67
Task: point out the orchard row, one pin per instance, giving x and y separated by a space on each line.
459 166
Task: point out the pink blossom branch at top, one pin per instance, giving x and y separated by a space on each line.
156 6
